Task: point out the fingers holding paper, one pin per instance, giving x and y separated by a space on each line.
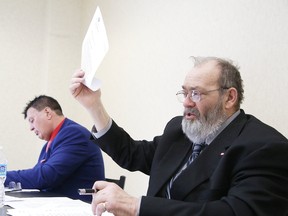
77 82
91 100
80 91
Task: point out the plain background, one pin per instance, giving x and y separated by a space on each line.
150 44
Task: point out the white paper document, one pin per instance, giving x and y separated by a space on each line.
94 48
49 206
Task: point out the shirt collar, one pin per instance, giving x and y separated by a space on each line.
209 139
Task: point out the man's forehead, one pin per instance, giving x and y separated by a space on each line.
206 73
32 112
210 66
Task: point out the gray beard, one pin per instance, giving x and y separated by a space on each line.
205 126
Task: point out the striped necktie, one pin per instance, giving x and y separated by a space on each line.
197 148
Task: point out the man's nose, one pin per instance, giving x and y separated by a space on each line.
31 127
188 102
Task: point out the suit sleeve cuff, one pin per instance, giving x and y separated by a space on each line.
97 134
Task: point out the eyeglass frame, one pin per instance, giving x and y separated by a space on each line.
192 94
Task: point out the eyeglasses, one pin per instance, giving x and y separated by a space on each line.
195 95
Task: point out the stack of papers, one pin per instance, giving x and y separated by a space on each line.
48 206
49 212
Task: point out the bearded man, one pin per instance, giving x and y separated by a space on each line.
213 160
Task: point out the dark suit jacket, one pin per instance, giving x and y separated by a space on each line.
243 172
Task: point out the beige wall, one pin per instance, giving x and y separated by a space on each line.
150 44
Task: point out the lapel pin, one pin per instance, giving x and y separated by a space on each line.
222 153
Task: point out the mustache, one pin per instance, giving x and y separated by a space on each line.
191 111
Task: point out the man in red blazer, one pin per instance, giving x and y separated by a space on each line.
243 171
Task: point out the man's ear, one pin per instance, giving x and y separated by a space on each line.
231 97
48 112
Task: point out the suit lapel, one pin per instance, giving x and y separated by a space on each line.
169 164
199 171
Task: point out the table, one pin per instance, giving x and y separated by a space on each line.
40 204
25 194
